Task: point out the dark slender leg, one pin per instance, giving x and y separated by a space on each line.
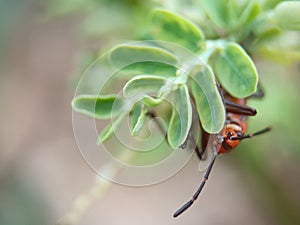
198 153
204 142
239 109
197 193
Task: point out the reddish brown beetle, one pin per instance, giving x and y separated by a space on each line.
227 139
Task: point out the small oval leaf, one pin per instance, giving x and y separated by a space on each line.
150 101
98 106
137 119
218 11
134 56
105 134
287 15
109 130
249 13
208 100
143 84
181 118
168 26
236 71
151 67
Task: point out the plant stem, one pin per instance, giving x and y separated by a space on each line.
97 191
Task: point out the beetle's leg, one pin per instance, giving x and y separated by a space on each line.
244 110
197 193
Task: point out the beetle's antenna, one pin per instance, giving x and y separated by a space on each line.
252 135
197 193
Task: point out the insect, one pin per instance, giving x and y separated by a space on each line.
233 132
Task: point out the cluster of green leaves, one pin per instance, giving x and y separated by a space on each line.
163 75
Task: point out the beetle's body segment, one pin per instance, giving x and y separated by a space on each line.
235 124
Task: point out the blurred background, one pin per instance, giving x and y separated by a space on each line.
45 46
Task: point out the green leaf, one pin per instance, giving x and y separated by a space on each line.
143 84
266 34
250 12
168 26
236 71
231 14
137 119
105 134
218 11
287 15
109 130
208 100
141 57
281 55
267 5
98 106
150 101
151 67
181 118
